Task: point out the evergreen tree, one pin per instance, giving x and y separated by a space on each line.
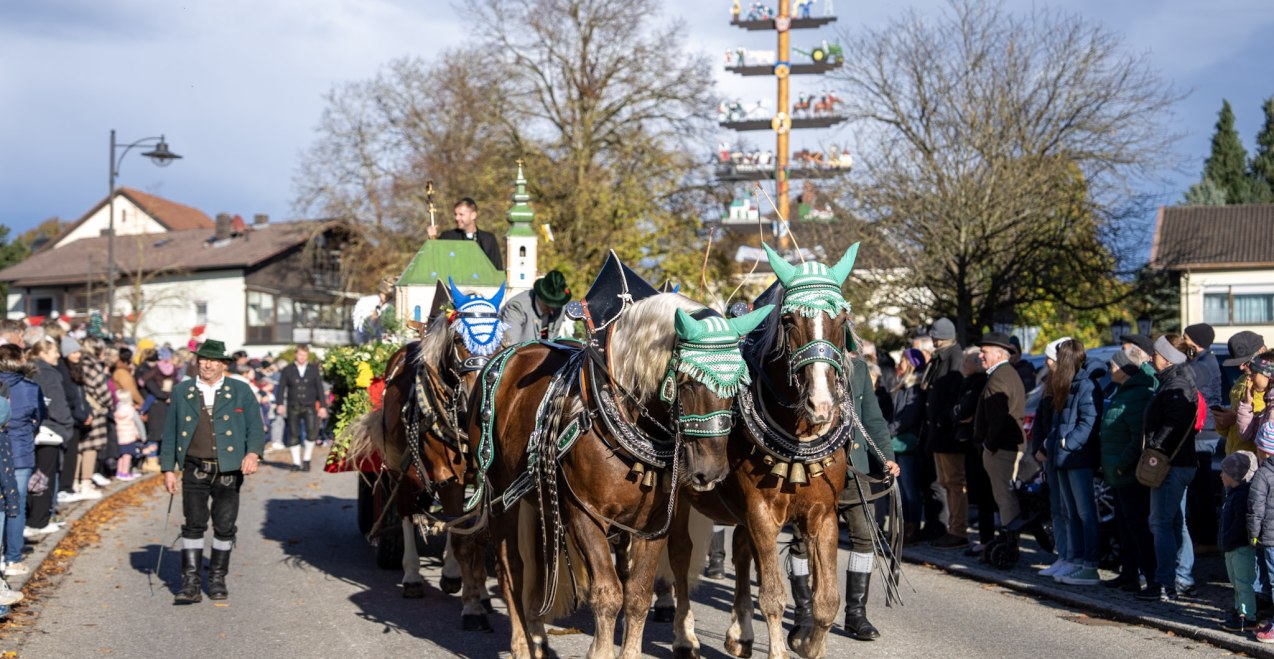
1227 164
1262 167
1205 193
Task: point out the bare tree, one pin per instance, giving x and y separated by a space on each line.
1001 153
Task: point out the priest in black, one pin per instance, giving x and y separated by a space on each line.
466 216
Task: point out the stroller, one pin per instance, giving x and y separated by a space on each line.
1032 497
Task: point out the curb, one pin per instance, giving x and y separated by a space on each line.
70 515
1220 638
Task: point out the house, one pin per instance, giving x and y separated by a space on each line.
260 286
1225 265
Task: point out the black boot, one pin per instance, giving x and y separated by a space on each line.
218 565
716 556
856 623
190 582
802 610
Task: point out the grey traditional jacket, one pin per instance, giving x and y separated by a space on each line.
525 321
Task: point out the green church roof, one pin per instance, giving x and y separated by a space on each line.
462 260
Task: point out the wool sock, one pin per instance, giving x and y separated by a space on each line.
309 450
296 454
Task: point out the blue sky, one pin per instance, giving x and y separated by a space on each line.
237 86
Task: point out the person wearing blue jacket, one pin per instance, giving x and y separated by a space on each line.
27 412
1072 447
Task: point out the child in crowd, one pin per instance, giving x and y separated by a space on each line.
1260 514
131 433
1240 556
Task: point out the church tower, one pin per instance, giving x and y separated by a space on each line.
521 243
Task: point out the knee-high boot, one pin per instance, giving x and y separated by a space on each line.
802 609
218 566
716 556
857 584
190 581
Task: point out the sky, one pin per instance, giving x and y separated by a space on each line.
237 86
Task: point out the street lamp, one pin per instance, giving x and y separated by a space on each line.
1118 329
162 157
1144 324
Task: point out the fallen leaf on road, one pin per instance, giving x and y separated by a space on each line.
564 632
221 604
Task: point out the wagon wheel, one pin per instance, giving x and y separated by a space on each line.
389 549
818 55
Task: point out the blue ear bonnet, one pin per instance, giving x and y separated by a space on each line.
477 320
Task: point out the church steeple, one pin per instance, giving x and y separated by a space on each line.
521 243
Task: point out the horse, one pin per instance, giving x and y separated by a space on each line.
787 462
548 416
826 104
420 434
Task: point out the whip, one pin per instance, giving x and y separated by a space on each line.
163 534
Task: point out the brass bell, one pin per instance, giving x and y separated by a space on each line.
637 468
815 469
649 480
798 474
780 470
768 460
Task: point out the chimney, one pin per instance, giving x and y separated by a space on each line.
223 226
260 218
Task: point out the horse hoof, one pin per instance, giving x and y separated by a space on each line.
664 614
413 590
486 604
450 585
475 622
742 649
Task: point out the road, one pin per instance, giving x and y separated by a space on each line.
303 583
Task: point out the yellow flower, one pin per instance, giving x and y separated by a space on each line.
364 378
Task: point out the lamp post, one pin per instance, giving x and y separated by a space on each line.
162 157
1118 329
1144 324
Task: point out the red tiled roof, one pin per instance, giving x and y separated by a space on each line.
1213 237
175 216
173 252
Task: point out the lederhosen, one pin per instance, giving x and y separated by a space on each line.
202 479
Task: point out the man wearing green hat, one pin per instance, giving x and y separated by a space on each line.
214 434
537 314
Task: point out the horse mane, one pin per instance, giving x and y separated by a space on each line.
643 340
436 342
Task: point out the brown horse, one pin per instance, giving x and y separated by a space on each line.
547 422
420 434
798 389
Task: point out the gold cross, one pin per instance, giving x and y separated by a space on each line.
519 162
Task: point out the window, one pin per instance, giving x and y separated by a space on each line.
201 313
284 310
1238 309
260 309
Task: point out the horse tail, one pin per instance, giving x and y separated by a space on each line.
534 572
366 437
699 530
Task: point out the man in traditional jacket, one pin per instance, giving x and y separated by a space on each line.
301 399
215 436
537 314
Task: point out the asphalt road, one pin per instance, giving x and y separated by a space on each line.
303 583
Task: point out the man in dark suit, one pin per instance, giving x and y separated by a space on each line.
997 425
301 399
466 216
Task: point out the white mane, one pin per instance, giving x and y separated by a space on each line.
436 342
641 343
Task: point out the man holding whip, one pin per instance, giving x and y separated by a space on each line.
215 435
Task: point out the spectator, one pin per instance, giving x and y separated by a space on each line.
1040 432
122 374
300 397
1023 367
97 392
1170 428
71 486
1260 519
132 434
27 412
1207 373
997 425
888 373
1260 372
57 425
157 378
1143 343
1120 447
8 493
11 331
1201 502
940 386
1243 347
1072 447
904 426
1237 472
977 485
